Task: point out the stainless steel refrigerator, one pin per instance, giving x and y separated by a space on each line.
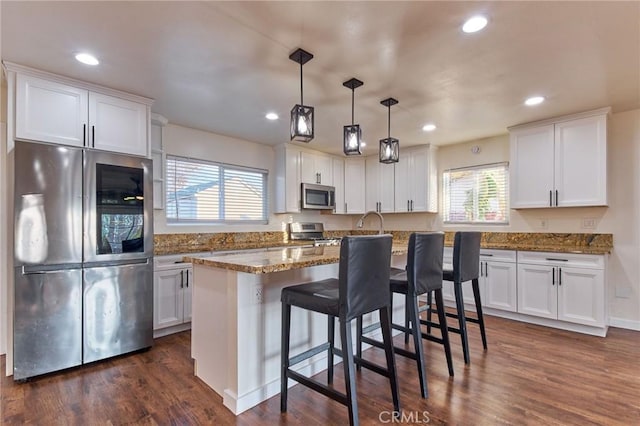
83 257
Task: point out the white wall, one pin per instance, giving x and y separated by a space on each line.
621 218
184 141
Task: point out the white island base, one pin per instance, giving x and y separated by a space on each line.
235 334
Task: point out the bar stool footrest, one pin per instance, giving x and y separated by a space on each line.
309 353
318 387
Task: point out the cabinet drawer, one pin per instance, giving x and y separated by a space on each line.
497 255
592 261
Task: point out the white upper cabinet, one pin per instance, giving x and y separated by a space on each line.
560 162
379 194
416 180
338 183
287 197
56 109
316 168
354 185
50 112
117 124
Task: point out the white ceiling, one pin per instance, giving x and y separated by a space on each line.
221 66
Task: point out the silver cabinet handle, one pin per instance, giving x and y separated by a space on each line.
550 198
411 205
553 276
345 208
187 273
408 206
182 279
557 259
556 198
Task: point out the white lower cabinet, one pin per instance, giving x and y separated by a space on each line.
564 290
172 287
566 287
498 279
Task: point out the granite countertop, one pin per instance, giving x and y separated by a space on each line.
277 260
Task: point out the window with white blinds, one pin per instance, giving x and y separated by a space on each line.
476 194
205 191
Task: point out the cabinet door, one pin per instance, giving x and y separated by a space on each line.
500 286
387 187
581 296
324 166
403 183
50 112
537 294
419 174
372 183
168 305
581 162
186 294
532 167
117 125
316 168
338 183
308 172
354 185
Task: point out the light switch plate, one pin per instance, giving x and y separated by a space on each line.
543 223
589 223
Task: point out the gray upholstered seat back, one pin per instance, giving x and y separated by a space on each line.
365 265
466 256
424 261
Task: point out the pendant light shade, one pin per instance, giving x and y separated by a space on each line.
302 117
389 147
352 135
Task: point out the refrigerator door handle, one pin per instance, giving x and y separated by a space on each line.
46 269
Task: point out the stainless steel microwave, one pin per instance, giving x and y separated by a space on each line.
318 197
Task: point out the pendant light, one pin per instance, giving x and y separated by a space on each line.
301 115
389 147
352 135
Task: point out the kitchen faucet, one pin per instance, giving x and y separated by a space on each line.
360 222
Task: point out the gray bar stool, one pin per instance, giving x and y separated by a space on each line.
466 267
423 275
362 287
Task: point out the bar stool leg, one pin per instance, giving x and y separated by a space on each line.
349 373
442 319
358 341
429 302
407 317
462 321
476 296
385 322
284 357
331 327
412 307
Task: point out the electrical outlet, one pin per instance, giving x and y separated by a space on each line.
257 294
589 223
543 223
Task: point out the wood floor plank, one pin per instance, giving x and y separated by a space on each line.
530 375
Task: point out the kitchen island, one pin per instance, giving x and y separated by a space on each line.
235 337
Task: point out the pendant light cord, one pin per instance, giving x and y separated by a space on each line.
301 90
353 91
389 122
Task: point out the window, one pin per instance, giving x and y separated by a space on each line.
477 194
205 191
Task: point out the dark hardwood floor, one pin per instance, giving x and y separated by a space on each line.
529 375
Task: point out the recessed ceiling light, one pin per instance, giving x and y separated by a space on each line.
87 59
474 24
272 116
429 127
534 100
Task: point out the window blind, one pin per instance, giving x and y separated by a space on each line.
205 191
477 194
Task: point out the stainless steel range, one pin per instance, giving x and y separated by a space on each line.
311 231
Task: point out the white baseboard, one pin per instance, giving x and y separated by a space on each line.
624 323
170 330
